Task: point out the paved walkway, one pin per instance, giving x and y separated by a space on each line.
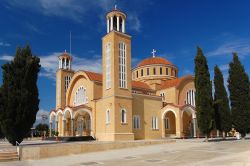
183 152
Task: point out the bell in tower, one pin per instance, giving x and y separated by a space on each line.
116 21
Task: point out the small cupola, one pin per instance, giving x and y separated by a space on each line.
116 20
65 61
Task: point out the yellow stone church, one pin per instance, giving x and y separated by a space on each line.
147 102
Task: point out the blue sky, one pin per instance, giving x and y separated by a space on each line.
173 27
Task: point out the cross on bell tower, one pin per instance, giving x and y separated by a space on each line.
153 52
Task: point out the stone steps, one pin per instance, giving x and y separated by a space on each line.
8 156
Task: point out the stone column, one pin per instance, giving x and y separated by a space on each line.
72 127
50 129
64 127
118 24
56 126
123 25
108 25
163 133
195 127
111 28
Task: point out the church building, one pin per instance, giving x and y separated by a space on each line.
149 101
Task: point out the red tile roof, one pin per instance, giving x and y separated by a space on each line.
154 60
140 85
98 77
94 76
65 54
174 82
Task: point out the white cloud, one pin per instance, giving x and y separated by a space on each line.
134 22
49 63
242 47
4 44
77 10
42 116
6 57
224 67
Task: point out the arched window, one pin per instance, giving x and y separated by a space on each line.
167 123
108 116
136 122
115 22
108 67
123 116
80 96
141 72
67 81
122 66
190 97
166 71
154 71
154 123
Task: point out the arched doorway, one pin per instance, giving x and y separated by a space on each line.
52 123
68 124
169 123
82 123
188 123
60 123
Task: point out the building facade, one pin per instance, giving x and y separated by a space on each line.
147 102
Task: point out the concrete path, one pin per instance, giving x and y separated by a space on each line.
183 152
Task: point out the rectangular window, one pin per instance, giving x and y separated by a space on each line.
141 72
67 81
122 66
160 71
136 74
108 67
154 123
166 71
147 71
154 71
136 122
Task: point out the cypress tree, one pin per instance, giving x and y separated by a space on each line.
238 85
221 103
19 95
1 110
204 100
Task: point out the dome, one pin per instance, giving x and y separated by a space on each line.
154 60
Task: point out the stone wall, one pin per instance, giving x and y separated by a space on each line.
35 152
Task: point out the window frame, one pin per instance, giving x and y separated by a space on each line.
123 120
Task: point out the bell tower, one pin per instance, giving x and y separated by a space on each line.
63 78
116 65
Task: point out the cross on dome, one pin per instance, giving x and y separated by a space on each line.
115 7
153 52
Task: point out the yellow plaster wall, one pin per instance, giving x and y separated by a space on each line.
185 86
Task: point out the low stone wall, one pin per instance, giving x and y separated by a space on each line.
35 152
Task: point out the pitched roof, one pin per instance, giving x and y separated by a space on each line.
140 85
154 60
174 82
135 84
94 76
